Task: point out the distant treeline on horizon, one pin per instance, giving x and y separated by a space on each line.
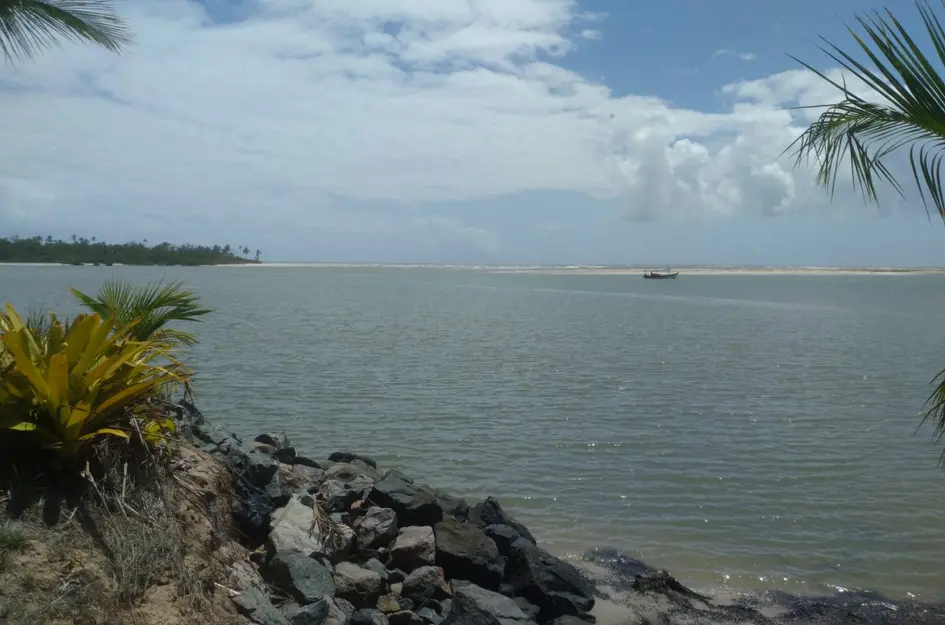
80 250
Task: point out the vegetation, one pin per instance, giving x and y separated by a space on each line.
80 250
28 26
907 118
150 308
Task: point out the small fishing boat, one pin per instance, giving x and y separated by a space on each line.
657 274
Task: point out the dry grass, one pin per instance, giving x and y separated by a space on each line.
140 543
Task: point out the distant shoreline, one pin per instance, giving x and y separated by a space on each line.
585 270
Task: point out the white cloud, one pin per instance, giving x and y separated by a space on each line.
296 117
743 56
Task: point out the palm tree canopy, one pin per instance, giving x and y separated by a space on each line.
909 115
29 26
154 305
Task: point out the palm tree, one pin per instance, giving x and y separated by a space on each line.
906 116
153 305
28 26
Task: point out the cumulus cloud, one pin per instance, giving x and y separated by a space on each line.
294 119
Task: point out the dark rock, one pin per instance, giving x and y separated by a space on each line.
555 586
285 455
253 465
339 496
376 528
473 605
361 587
429 615
568 620
414 547
311 614
342 456
490 512
345 606
396 576
445 606
453 507
255 606
531 610
369 617
278 490
414 505
252 509
208 435
299 576
307 462
301 477
424 584
279 440
405 617
503 536
465 552
378 567
337 615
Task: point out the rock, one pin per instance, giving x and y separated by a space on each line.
255 606
285 455
252 465
251 510
397 588
389 603
555 586
338 614
376 528
208 435
242 575
361 587
340 496
345 606
312 614
343 456
368 617
378 567
405 617
396 576
296 527
308 462
424 584
490 512
503 536
453 507
568 620
430 616
530 610
473 605
278 491
465 552
414 505
301 477
305 579
414 547
445 607
278 440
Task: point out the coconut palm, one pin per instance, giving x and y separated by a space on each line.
29 26
906 115
154 306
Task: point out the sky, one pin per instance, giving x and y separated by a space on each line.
450 131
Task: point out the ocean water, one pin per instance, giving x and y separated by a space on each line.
744 432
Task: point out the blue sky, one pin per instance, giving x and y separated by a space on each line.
477 131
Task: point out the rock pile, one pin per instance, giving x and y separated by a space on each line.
340 542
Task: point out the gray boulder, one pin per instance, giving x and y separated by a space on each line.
556 587
414 547
405 617
360 586
424 584
297 527
490 512
414 505
369 617
465 552
256 607
312 614
473 605
305 579
344 456
376 528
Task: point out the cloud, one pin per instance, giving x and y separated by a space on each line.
334 122
744 56
589 33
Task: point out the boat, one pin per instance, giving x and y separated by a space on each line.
656 274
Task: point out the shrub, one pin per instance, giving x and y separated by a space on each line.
65 385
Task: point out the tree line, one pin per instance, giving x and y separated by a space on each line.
80 250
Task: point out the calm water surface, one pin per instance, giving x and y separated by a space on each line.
742 431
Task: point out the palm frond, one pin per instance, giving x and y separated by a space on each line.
911 112
29 26
153 305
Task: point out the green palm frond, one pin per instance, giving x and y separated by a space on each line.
910 115
154 305
29 26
